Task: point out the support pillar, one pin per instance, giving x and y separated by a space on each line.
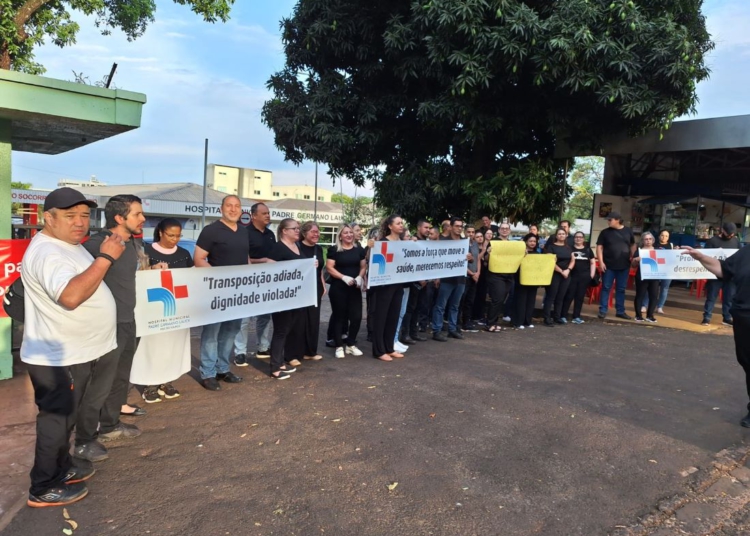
6 357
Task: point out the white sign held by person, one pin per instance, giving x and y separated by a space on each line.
677 264
189 297
406 261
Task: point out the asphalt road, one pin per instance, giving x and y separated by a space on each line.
566 431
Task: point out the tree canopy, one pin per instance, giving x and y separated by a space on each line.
455 106
25 24
584 181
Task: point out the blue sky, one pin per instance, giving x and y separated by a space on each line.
208 81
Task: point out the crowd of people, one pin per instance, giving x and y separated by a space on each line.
81 374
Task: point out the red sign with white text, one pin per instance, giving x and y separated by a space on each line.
11 253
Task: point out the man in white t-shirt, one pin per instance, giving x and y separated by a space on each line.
69 322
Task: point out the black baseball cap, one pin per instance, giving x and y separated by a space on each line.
729 227
614 216
66 198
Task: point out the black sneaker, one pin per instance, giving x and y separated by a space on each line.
211 384
549 323
639 319
240 360
167 390
263 354
440 336
330 343
651 319
455 335
58 496
602 315
281 375
288 369
419 338
93 452
229 377
408 340
78 474
471 328
151 394
624 316
745 422
728 322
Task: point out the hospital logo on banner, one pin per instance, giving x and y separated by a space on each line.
167 294
383 258
653 261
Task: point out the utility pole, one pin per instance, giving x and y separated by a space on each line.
205 182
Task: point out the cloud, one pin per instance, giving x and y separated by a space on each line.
178 35
727 23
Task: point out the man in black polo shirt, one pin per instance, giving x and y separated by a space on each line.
261 240
614 249
221 243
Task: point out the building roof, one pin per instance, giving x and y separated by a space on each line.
188 192
692 135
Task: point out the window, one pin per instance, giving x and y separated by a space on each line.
256 192
276 194
223 189
321 198
222 172
306 197
296 196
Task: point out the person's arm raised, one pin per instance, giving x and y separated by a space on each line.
709 263
82 287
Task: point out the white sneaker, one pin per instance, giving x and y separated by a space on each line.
506 319
340 352
400 347
530 326
353 350
660 311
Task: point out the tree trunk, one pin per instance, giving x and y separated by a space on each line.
4 58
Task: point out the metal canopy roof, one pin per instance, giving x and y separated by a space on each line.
51 116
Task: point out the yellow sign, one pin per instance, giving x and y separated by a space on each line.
537 270
506 256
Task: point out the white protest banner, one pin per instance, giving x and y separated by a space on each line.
407 260
677 264
189 297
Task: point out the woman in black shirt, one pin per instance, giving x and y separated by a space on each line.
584 270
386 299
288 326
309 248
150 361
346 266
644 286
560 279
525 295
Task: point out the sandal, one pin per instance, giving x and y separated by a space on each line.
494 329
385 357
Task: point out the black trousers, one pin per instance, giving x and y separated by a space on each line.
555 296
58 392
312 328
386 307
108 388
410 315
425 301
742 343
467 307
480 298
346 317
498 286
524 305
579 284
287 342
642 287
